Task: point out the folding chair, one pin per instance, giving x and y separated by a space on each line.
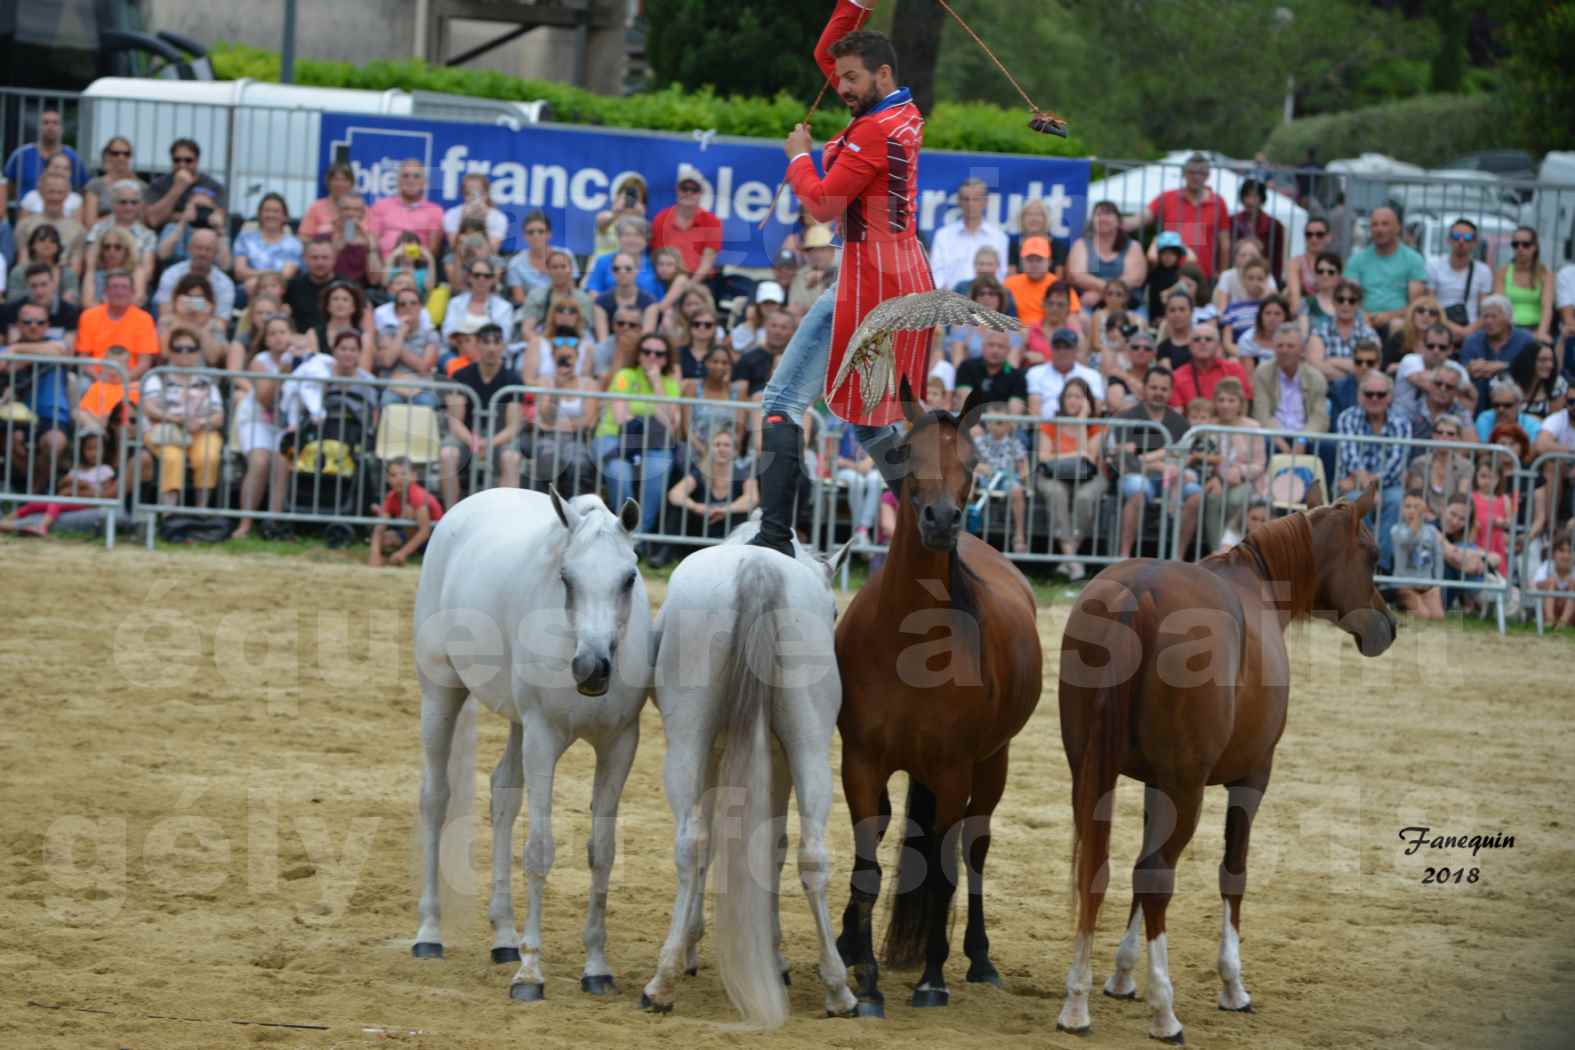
1291 478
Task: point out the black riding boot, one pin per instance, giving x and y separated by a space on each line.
779 464
891 459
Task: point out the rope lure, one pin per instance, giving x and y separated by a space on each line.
1042 121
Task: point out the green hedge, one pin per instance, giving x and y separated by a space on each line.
974 127
1429 131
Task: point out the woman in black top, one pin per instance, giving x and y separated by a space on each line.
715 496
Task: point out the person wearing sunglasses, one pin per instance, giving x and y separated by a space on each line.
565 334
1390 271
479 299
688 226
183 421
1358 464
536 315
122 210
1461 281
1334 339
635 439
44 390
1495 345
634 240
168 194
1301 276
1413 376
1528 285
625 292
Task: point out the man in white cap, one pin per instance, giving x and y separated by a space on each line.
688 227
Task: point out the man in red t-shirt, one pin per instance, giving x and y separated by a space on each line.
1200 375
695 232
1200 215
405 499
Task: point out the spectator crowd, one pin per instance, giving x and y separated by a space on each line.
294 339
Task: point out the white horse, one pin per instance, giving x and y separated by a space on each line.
745 648
533 606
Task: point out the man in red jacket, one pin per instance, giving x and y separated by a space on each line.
871 186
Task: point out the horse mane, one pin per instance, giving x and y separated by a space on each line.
1282 550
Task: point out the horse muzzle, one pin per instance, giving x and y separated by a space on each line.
939 526
1374 631
592 674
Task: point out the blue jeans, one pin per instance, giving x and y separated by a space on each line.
800 376
619 472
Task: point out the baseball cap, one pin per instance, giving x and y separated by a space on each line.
1063 337
1169 239
769 292
786 259
1039 246
1141 338
818 236
470 324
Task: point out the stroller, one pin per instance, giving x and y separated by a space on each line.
332 462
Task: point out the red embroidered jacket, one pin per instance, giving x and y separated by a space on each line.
872 186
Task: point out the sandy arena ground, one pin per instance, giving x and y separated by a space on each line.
191 842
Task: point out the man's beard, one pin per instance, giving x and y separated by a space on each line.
865 103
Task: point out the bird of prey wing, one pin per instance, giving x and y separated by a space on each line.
870 351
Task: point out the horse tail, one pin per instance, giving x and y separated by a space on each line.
745 938
918 866
456 882
1093 806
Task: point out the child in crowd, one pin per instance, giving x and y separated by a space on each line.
92 478
1419 554
1558 574
1492 511
1205 452
103 402
1257 514
1003 464
405 499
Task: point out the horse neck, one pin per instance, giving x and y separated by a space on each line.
1280 553
910 564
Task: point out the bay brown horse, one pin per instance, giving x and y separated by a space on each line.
941 666
1177 676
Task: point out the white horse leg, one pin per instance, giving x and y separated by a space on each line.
440 706
1161 994
508 793
781 786
812 783
1079 980
1120 984
613 759
685 777
543 748
695 927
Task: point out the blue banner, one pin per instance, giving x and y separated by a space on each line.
568 173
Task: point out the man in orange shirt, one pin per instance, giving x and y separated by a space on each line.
1028 288
104 398
119 322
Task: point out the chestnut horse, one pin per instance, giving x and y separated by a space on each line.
1176 675
941 666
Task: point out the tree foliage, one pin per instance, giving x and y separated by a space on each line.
1539 89
736 48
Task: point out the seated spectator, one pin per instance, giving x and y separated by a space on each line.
1254 224
634 242
122 209
461 347
385 315
204 248
637 437
1557 574
674 282
403 498
621 349
1069 477
44 249
465 251
753 370
411 259
533 316
1360 463
986 265
1030 288
769 298
93 477
625 290
1002 466
407 344
938 387
1464 561
1301 273
1139 456
955 244
200 214
168 195
45 391
357 256
1167 256
1105 253
118 321
715 494
1206 367
560 439
1175 329
528 270
1536 372
54 188
322 215
113 251
475 192
1127 367
1419 554
1440 473
1118 395
628 199
27 162
1459 281
687 226
966 342
1060 314
817 273
1236 318
993 375
270 246
407 210
1257 343
1389 272
1406 335
1316 305
480 299
1199 215
468 439
258 417
1046 381
1033 220
314 402
1492 509
1114 300
1192 281
1231 287
40 286
1414 373
1506 404
698 336
303 294
1239 475
183 422
716 388
1446 396
344 308
1334 339
1528 285
191 308
565 333
1288 393
33 202
107 402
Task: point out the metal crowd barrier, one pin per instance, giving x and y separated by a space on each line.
38 394
375 420
1556 468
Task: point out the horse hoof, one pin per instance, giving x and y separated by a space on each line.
1087 1029
1128 996
928 997
505 955
787 978
651 1006
1239 1009
870 1008
525 992
985 974
426 950
1174 1040
598 984
693 971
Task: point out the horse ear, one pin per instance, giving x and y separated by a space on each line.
973 407
912 407
629 515
834 563
563 509
1364 506
1313 497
